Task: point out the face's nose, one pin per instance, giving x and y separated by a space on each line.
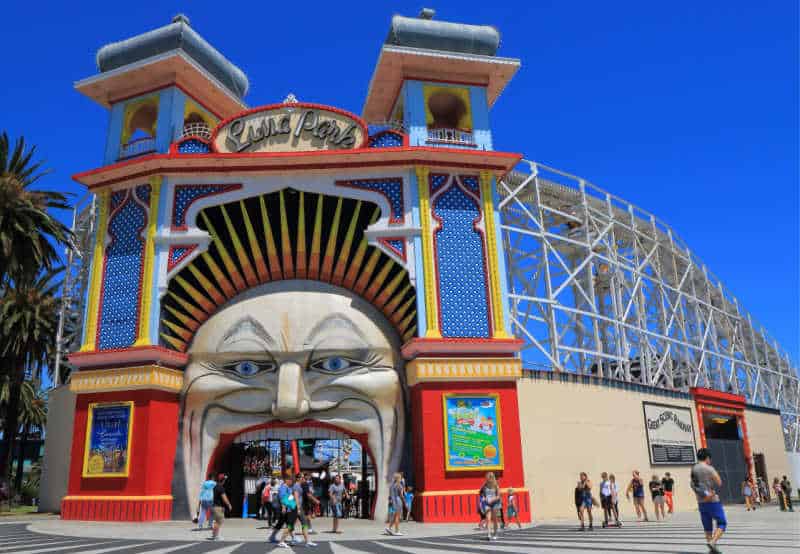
291 401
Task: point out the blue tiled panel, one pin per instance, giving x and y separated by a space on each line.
392 189
385 139
193 146
437 181
143 192
120 300
186 194
399 245
471 182
459 259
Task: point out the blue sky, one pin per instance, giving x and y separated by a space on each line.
687 109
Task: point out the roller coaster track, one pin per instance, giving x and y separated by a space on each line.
598 286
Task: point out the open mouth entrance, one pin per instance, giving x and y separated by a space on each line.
252 458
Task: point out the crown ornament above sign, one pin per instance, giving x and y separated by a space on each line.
290 127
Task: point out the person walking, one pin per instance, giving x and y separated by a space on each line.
336 495
284 489
763 490
290 502
513 508
481 507
669 485
748 493
310 502
206 503
585 485
396 502
614 498
776 488
786 487
636 486
490 491
605 497
409 501
219 503
657 493
706 483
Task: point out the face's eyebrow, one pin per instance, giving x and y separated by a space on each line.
244 332
336 331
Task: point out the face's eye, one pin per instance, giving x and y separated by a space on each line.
335 364
248 368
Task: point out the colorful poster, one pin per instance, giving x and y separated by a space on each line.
108 440
473 440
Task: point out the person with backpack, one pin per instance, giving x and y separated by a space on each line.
291 500
206 503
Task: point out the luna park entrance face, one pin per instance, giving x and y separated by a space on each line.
253 465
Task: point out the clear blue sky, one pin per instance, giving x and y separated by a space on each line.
688 109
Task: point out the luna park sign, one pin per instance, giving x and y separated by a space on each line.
293 127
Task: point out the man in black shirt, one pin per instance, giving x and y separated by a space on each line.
786 486
669 484
220 502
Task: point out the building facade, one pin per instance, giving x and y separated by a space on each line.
267 280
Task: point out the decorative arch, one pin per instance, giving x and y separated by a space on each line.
287 234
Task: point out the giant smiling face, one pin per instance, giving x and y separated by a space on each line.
287 352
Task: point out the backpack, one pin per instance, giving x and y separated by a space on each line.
207 491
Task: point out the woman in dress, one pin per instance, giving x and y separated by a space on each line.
747 492
396 503
490 491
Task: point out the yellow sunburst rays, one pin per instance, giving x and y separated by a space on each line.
330 249
227 261
255 249
316 241
358 257
344 255
286 241
199 290
269 239
238 248
301 264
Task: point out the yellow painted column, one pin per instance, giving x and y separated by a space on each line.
96 276
143 335
487 198
429 279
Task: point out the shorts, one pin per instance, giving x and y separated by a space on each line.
290 517
587 503
307 508
658 500
512 512
605 502
218 515
337 510
710 512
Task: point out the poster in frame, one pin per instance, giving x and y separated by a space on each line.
109 434
670 434
473 438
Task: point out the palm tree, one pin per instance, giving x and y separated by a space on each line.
28 321
32 415
28 233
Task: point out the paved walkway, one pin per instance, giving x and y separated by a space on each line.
764 531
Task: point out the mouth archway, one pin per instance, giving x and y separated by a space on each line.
276 448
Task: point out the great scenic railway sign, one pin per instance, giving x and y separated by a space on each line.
294 127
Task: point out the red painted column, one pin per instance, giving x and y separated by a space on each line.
451 496
145 494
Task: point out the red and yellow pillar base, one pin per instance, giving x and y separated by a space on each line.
138 485
450 494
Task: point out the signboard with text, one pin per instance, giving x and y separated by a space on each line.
670 434
472 435
108 440
293 127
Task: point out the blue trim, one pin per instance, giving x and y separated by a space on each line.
114 134
502 269
155 298
419 271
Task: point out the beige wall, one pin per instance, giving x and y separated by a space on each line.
766 437
57 448
572 427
